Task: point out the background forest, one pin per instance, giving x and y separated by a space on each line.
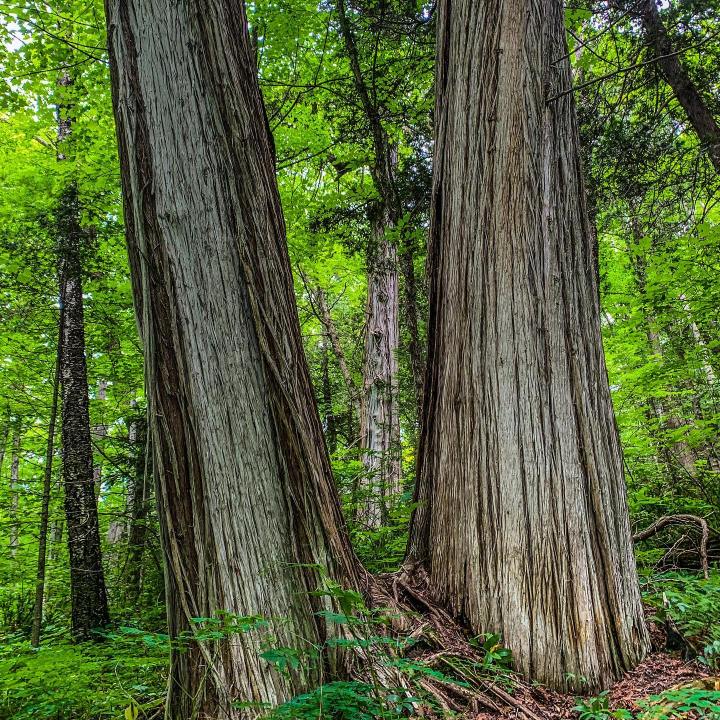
349 95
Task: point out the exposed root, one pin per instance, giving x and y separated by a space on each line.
443 646
457 684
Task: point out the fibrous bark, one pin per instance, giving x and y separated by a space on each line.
523 521
245 492
379 419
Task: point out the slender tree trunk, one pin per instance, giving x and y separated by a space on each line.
680 454
247 503
45 506
3 441
677 77
329 415
379 416
379 421
699 341
410 307
87 581
57 528
523 522
322 312
14 497
138 507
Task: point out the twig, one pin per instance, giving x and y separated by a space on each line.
680 519
629 68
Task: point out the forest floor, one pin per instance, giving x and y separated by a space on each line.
442 673
668 683
659 673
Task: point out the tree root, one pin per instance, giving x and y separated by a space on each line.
457 683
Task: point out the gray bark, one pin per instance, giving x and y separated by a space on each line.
246 498
523 523
379 421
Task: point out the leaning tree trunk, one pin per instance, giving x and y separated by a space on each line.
246 498
87 581
677 77
379 421
523 524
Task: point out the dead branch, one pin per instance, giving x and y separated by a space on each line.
680 519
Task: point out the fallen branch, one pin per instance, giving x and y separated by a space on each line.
680 519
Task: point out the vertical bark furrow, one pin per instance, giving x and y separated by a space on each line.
244 485
523 522
379 420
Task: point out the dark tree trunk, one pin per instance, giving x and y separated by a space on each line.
246 498
87 582
677 77
45 504
523 522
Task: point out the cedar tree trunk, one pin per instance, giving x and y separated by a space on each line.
523 523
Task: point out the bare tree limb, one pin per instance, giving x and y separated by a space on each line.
680 519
